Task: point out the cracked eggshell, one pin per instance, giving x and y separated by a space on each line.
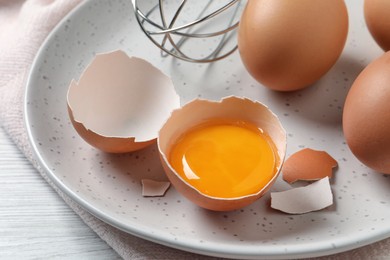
120 102
308 165
197 112
152 188
313 197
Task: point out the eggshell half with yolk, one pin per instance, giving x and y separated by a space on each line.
199 111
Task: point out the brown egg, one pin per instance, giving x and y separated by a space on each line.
377 16
288 45
366 115
231 108
120 103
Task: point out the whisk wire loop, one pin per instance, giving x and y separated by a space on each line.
189 30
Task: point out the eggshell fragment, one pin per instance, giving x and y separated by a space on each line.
231 108
120 102
151 188
308 165
313 197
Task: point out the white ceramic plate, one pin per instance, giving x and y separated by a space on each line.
109 186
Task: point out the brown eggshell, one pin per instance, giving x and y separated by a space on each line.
108 144
288 45
377 17
366 115
120 102
152 188
308 165
199 111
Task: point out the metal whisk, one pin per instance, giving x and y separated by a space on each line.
201 31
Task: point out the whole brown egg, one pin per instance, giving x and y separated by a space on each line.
366 115
377 16
288 45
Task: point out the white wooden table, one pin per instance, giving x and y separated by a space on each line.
35 223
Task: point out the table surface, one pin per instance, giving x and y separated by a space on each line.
35 223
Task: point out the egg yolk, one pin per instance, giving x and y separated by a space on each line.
225 159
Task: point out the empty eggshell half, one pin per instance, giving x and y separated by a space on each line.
199 111
120 102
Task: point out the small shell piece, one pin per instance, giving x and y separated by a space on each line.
308 165
199 111
120 102
151 188
313 197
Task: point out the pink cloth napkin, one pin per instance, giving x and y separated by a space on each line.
23 27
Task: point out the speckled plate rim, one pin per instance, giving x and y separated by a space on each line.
211 249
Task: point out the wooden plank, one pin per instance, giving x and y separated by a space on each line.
34 220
